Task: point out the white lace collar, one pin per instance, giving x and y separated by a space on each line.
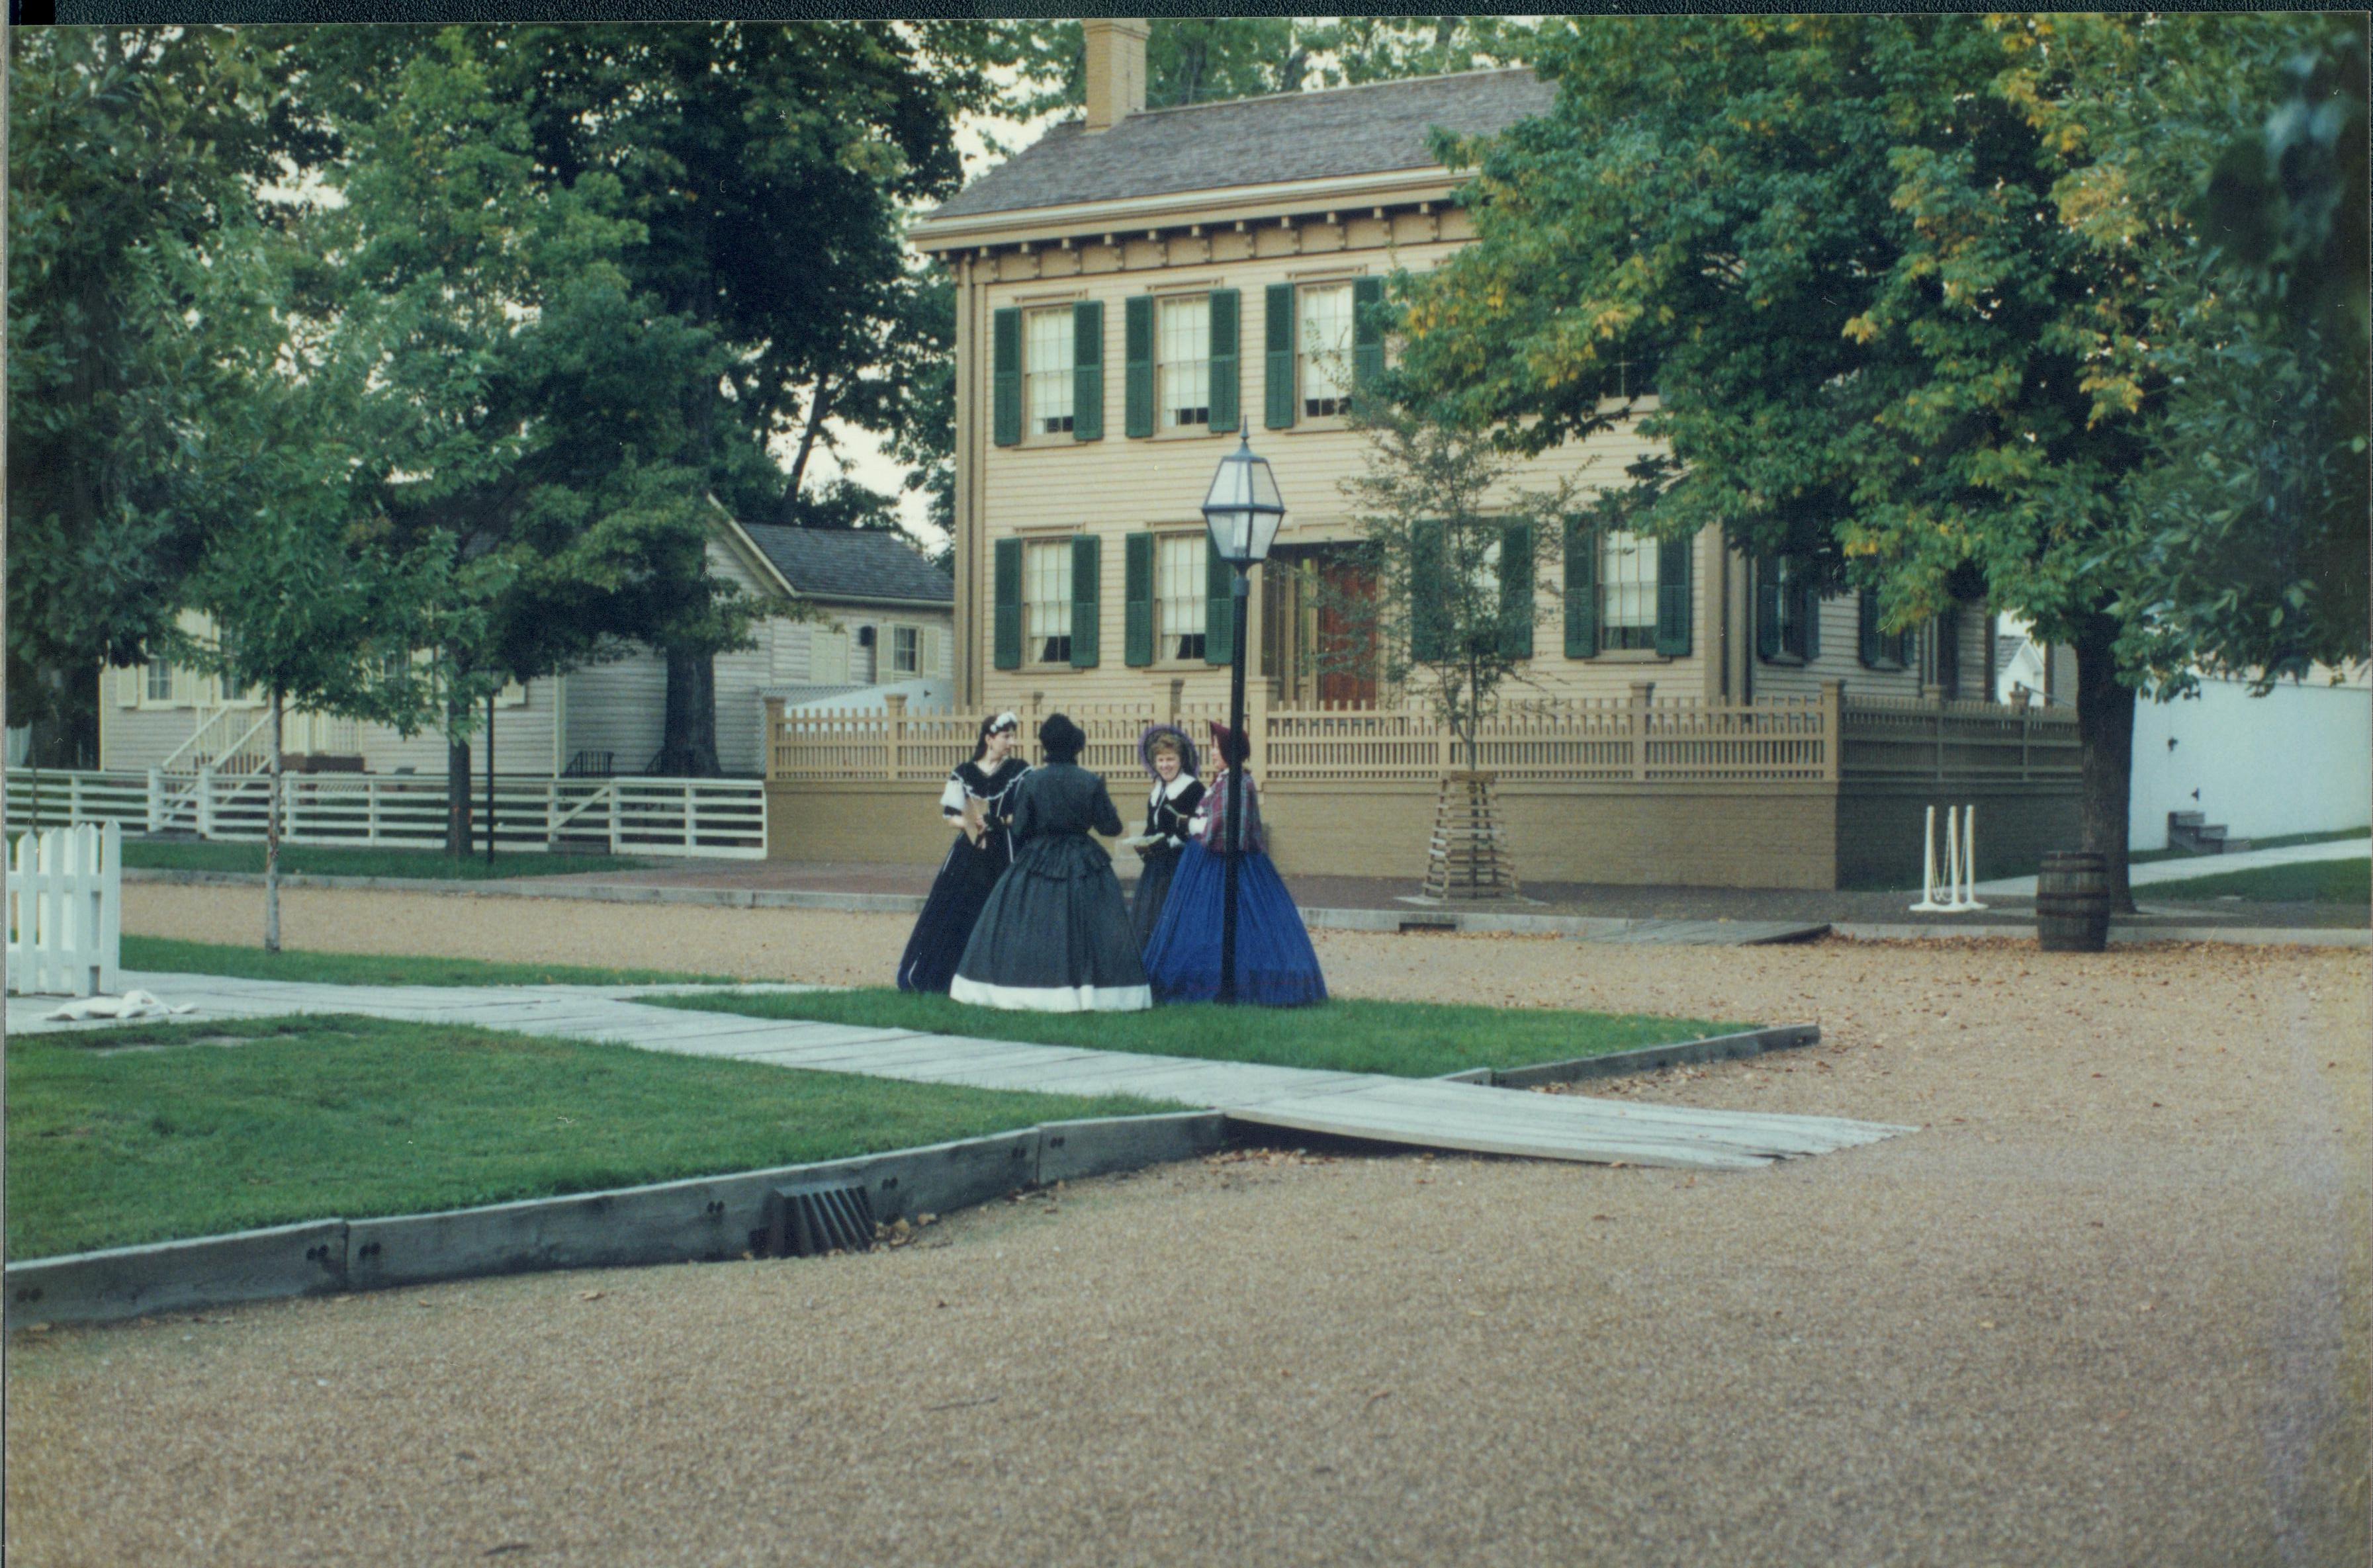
1171 790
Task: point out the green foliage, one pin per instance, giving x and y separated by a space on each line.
134 154
329 860
2257 553
310 1118
2349 883
1209 59
1407 1039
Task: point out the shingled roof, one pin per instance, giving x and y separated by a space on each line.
1296 136
854 563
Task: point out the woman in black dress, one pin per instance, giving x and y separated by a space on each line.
976 802
1054 935
1169 757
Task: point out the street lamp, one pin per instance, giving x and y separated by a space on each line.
1243 512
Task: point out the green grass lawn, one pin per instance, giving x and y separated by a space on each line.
343 1116
1410 1039
2143 857
2307 882
314 860
252 962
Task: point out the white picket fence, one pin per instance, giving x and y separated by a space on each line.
65 911
712 818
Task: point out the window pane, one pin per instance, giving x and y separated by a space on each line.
1048 358
1627 571
1325 344
1184 354
160 681
904 645
1047 600
1178 585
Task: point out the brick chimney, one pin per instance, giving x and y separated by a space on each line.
1115 69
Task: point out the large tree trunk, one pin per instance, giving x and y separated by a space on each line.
457 791
688 740
2105 734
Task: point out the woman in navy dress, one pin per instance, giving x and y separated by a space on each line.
1054 936
976 803
1169 757
1276 966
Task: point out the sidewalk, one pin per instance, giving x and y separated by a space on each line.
2191 866
1377 1107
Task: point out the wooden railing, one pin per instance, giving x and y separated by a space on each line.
1790 740
717 818
1966 742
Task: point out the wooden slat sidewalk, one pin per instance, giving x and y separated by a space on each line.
1424 1113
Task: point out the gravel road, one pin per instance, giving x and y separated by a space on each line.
2110 1306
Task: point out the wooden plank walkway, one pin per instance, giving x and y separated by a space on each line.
1424 1112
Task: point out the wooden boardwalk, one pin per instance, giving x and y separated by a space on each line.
1425 1113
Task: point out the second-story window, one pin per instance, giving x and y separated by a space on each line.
160 681
1627 578
1047 600
1184 357
1181 576
1322 339
1046 371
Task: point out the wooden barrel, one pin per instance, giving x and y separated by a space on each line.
2071 902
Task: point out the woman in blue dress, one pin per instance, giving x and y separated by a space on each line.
1276 966
976 803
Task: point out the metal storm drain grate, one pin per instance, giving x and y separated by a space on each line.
817 1217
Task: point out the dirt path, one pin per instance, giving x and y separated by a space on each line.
2108 1307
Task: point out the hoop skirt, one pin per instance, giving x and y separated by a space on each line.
967 878
1276 966
1054 936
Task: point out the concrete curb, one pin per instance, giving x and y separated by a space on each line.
2123 936
1646 1059
701 1219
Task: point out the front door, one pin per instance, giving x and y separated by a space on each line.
1343 640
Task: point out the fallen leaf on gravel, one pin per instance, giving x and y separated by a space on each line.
1985 1322
590 1295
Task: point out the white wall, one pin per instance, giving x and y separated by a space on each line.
2297 760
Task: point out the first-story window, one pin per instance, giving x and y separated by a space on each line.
1627 587
160 681
1184 357
1324 339
1791 606
1047 600
1046 370
905 650
1948 653
1181 576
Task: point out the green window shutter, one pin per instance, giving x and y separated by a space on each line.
1516 590
1278 372
1581 590
1137 355
1087 599
1005 382
1429 639
1137 595
1219 608
1673 595
1874 645
1008 614
1226 379
1766 608
1808 607
1088 370
1367 330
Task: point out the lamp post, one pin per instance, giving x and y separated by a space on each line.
1243 511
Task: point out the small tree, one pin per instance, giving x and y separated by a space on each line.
1453 554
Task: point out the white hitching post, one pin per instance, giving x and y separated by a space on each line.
1928 905
1964 897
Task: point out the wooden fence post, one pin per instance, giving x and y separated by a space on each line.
206 793
897 703
155 800
1642 693
1833 730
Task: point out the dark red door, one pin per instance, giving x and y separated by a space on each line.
1347 647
